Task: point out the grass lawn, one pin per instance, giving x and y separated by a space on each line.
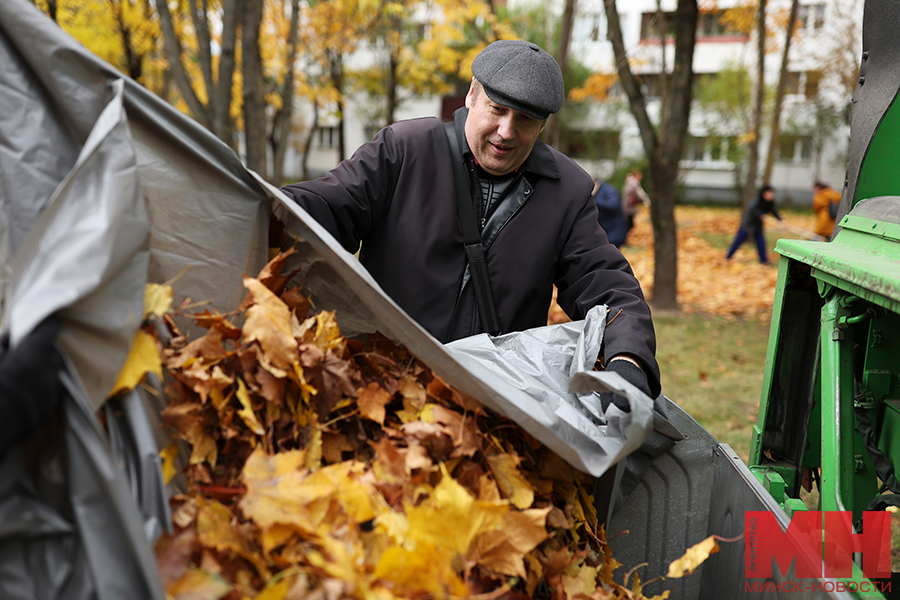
713 368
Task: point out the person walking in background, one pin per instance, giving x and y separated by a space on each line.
633 197
752 225
825 205
609 212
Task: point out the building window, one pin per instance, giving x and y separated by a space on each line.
811 16
591 145
794 148
711 149
709 25
813 78
328 137
804 83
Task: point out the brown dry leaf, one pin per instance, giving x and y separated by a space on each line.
582 581
269 323
693 557
503 550
372 400
173 555
271 276
215 530
413 391
460 428
510 480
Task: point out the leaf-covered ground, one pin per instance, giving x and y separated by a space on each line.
707 283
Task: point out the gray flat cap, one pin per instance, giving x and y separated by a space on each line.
520 75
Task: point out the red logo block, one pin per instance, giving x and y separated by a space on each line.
820 547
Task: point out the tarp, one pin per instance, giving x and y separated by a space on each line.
105 187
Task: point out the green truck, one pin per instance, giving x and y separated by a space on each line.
829 415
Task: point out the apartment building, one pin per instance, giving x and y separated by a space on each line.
603 135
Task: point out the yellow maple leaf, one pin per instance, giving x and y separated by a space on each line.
510 480
276 591
452 503
269 323
693 557
168 456
328 334
143 358
425 569
198 585
157 299
246 412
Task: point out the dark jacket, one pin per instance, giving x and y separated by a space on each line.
610 214
751 222
396 196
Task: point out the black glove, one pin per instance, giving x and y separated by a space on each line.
631 373
30 389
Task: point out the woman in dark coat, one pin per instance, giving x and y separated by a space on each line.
752 225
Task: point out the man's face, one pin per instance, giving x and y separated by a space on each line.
501 138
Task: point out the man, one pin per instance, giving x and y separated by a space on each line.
609 212
825 204
396 197
633 197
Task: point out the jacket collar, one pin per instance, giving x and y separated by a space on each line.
541 161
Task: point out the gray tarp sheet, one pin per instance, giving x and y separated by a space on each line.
103 188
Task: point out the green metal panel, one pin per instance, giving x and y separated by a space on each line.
863 259
880 171
774 337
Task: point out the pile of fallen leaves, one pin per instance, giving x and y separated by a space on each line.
315 466
707 283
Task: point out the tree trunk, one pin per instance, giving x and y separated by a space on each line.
779 94
552 130
172 47
133 60
663 146
391 87
749 188
336 68
222 93
204 54
281 125
254 87
663 70
304 164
